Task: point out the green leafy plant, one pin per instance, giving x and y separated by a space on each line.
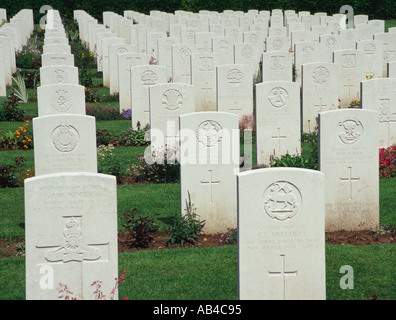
133 137
91 95
8 140
108 163
29 57
140 228
10 110
298 161
187 227
9 173
162 167
103 137
32 79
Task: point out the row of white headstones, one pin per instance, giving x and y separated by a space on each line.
14 34
70 209
281 213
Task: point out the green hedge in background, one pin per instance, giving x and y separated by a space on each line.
376 9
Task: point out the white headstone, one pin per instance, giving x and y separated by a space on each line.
209 161
373 57
142 77
281 235
348 157
167 102
235 89
64 143
249 54
106 43
225 47
352 72
203 78
277 66
71 235
277 120
328 44
305 52
389 48
50 59
380 95
125 62
165 53
114 51
59 74
320 91
181 62
60 99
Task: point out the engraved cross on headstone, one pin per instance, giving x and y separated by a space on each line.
349 86
350 180
320 105
210 182
283 273
279 137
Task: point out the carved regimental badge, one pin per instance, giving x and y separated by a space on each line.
278 97
185 53
65 138
209 133
149 77
73 249
320 75
331 42
277 44
172 99
384 111
282 200
350 131
61 100
349 60
369 48
247 51
59 76
234 76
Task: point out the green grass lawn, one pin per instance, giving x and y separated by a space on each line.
211 274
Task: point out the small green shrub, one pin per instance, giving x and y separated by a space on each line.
103 137
133 137
9 174
140 228
164 168
28 58
10 110
187 227
298 161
